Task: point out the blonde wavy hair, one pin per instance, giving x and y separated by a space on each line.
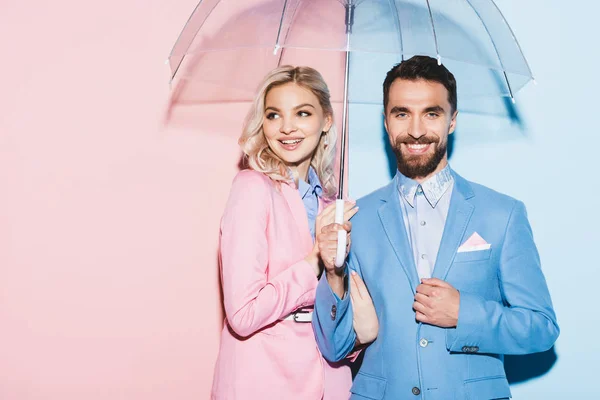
257 153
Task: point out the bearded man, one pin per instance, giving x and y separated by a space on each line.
451 265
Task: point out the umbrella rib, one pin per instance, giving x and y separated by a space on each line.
398 27
514 38
496 50
193 37
280 26
287 32
437 49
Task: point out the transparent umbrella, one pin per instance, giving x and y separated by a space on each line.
227 46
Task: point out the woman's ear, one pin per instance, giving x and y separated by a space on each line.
328 123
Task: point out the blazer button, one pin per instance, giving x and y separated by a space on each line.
416 391
333 312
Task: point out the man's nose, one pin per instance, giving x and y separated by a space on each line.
417 128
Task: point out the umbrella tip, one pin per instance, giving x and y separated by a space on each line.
534 82
439 58
275 49
166 61
513 100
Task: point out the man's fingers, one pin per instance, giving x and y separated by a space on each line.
436 282
426 290
421 317
419 308
425 300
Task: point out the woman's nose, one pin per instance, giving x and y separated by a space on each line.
287 126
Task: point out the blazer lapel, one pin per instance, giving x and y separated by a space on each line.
459 214
390 214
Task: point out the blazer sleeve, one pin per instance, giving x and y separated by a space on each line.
526 322
252 298
333 319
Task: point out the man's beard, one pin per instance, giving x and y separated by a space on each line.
418 166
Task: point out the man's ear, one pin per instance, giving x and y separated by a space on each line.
453 122
385 122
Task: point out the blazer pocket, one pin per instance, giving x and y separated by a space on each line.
369 386
493 387
478 255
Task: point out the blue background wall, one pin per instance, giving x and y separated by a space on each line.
546 157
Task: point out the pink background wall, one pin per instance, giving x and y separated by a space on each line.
108 221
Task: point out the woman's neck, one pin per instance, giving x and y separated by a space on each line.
300 171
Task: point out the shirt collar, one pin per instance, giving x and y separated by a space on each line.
313 185
433 188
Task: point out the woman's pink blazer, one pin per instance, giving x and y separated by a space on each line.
264 239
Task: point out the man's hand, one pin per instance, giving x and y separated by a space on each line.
437 303
364 317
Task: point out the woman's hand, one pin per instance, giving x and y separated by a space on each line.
325 246
327 233
364 317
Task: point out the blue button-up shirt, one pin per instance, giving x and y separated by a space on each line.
425 209
310 192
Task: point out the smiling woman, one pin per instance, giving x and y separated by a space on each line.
270 256
294 125
292 105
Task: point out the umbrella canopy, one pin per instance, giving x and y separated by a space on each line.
471 37
227 46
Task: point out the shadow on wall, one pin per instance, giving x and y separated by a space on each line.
521 369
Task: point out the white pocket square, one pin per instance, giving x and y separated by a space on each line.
474 243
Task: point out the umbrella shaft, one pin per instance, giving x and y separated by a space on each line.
349 16
343 146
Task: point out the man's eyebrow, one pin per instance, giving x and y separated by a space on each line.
399 109
435 109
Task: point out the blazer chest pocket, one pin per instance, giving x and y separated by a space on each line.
478 255
368 386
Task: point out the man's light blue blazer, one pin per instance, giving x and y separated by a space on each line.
505 306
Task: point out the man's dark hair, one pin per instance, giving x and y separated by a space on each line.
421 67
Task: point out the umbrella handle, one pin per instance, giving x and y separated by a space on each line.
340 256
